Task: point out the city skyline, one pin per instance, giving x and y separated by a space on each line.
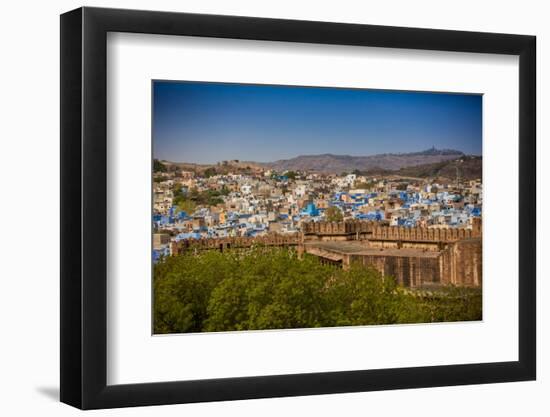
206 123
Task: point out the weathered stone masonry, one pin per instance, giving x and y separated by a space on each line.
416 257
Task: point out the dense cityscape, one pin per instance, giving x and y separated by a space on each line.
234 199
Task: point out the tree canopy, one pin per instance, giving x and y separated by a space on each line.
189 200
292 175
334 214
270 288
159 166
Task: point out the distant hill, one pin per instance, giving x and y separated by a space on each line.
222 167
467 167
432 163
330 163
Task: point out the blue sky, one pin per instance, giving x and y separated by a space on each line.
209 122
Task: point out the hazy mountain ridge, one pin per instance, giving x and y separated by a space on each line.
432 163
467 167
331 163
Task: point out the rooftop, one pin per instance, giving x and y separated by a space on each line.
357 248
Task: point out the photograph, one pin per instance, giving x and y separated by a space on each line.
293 207
271 209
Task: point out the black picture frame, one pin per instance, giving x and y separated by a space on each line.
84 207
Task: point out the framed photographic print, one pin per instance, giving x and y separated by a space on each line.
258 207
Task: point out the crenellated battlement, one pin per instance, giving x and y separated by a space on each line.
234 242
338 228
349 230
422 234
356 230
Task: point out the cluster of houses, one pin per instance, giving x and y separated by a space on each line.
261 202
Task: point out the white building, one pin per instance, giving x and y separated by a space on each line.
246 189
350 179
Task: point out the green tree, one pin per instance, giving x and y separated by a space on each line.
333 214
225 191
186 205
159 166
182 289
271 288
291 175
453 304
361 296
181 200
209 172
365 185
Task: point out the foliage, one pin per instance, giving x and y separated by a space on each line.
187 206
291 175
453 304
365 185
270 288
334 214
209 172
159 166
224 191
189 201
181 200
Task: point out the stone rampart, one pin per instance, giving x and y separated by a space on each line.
422 234
234 242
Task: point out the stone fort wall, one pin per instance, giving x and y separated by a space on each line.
423 234
459 263
409 271
374 231
177 248
456 253
338 228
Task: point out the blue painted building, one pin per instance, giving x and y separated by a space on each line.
310 210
